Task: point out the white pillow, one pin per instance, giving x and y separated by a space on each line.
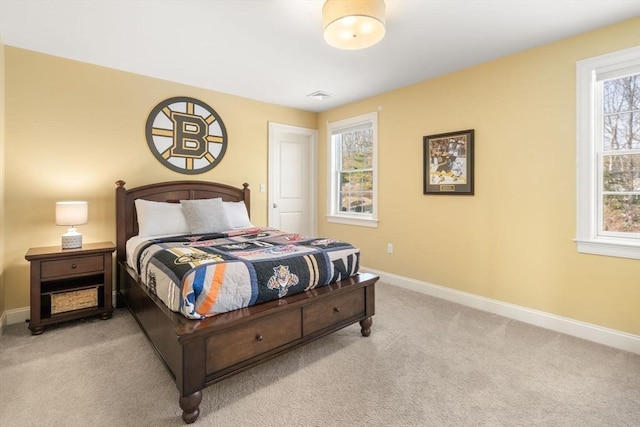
205 215
237 214
155 218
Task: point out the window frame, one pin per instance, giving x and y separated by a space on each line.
333 214
589 239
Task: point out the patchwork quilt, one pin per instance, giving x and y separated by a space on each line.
207 274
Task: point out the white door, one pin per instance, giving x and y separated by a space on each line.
292 178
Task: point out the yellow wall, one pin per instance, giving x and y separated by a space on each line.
73 129
512 240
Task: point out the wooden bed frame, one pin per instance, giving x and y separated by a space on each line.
199 353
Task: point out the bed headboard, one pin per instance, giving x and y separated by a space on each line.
173 191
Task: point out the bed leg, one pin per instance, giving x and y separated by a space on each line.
190 406
365 326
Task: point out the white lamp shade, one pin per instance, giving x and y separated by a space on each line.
353 24
72 213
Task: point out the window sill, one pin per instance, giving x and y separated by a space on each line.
612 248
350 220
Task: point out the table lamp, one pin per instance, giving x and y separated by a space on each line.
71 214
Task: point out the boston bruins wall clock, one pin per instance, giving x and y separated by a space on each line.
186 135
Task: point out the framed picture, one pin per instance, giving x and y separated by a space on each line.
448 163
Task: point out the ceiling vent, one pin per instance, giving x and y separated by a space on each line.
319 95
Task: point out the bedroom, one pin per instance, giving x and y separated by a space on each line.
71 129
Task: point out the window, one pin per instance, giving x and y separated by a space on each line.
608 150
353 170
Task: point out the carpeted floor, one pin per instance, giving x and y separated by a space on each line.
428 362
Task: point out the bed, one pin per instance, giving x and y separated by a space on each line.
200 352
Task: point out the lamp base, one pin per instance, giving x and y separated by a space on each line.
71 240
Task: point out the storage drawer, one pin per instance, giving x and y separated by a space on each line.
259 336
72 266
332 311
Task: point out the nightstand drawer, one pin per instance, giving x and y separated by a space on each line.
72 266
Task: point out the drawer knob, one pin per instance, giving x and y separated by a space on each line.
74 265
336 309
259 337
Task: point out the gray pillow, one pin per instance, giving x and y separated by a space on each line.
206 215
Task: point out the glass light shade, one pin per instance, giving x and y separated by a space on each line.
353 24
71 214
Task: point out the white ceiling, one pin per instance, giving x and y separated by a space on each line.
273 50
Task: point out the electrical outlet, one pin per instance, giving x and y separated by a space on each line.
262 188
389 248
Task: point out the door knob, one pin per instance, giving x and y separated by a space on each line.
275 205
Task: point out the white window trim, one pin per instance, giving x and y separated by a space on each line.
362 220
587 238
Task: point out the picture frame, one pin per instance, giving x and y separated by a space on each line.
448 163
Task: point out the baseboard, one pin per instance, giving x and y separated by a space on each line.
587 331
3 322
17 315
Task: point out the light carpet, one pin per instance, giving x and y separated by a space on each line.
428 362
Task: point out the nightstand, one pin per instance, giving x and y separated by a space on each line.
69 284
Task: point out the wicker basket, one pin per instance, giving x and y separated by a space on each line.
74 300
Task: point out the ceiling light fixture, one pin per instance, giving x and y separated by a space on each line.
353 24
